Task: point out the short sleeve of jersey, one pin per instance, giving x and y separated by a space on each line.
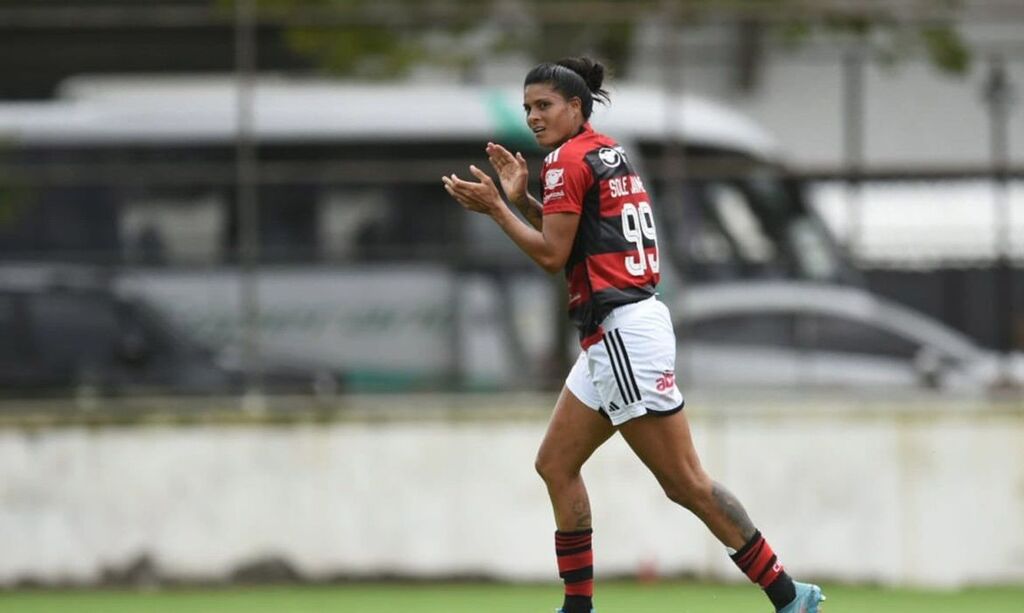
565 183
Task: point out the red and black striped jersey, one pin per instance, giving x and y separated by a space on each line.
614 258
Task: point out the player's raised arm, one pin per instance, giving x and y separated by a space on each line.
549 247
514 177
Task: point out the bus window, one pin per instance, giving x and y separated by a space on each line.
812 251
344 215
78 223
173 229
801 235
741 219
736 215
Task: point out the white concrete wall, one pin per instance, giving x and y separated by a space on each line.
915 115
931 496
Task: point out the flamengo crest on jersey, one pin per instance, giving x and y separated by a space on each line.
553 178
614 259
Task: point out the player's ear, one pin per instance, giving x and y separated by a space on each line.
576 104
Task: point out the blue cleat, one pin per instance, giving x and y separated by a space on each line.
808 597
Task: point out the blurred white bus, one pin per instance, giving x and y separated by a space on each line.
367 263
351 172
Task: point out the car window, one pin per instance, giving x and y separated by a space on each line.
835 334
749 329
73 327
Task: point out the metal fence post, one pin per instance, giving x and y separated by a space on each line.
247 200
853 145
997 96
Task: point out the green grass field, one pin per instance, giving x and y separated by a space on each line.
476 598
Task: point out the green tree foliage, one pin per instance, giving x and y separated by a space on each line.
349 37
384 38
891 31
946 49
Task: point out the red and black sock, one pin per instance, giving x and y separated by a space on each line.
757 560
576 567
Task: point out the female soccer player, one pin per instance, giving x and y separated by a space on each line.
595 221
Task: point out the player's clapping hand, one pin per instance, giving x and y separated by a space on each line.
512 171
480 197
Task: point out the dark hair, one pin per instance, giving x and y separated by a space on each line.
573 77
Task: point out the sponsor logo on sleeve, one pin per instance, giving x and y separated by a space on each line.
549 196
666 381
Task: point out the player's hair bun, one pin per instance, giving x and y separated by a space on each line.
592 72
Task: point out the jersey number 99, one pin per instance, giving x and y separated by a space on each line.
637 224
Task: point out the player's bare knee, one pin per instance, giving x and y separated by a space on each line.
691 490
551 471
541 467
681 496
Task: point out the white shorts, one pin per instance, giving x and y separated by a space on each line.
631 371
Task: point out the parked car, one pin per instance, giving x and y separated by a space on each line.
68 333
805 334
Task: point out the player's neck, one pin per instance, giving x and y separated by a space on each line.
577 132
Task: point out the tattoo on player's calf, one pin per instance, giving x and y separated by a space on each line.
731 507
581 509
